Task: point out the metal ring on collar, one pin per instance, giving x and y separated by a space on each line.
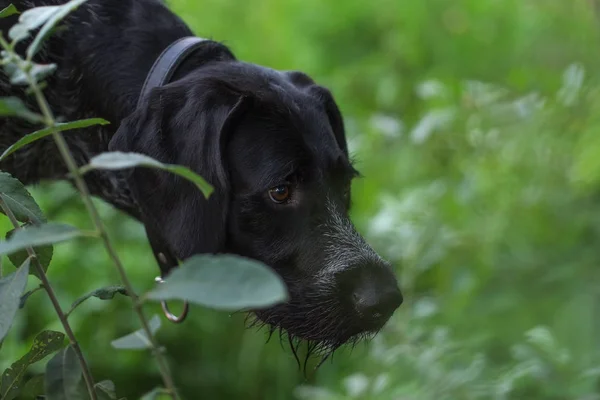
170 316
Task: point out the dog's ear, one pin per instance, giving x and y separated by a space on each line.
324 97
335 118
187 125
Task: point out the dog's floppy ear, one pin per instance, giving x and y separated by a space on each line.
324 97
335 118
187 125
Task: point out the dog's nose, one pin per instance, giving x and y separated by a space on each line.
376 302
372 291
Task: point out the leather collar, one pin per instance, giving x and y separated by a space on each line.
167 62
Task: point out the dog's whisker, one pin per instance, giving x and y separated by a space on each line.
271 331
323 359
294 350
309 350
281 336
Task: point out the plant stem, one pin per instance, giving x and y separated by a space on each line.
87 375
97 221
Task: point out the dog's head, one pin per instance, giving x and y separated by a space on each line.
273 145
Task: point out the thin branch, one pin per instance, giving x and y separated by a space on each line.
87 376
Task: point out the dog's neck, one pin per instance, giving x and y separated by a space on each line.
209 52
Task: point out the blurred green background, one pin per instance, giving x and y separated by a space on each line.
477 126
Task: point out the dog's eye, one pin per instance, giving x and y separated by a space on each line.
279 194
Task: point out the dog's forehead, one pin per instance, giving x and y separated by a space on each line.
268 146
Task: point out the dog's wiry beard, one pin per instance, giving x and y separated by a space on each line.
313 348
312 321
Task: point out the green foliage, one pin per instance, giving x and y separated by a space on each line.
13 106
44 344
105 390
43 255
60 127
20 78
49 22
46 18
11 289
64 376
138 340
8 11
226 282
28 293
31 20
118 160
155 394
33 388
18 200
105 293
41 235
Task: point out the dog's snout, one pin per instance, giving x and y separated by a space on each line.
372 292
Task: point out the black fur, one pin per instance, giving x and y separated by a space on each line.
246 129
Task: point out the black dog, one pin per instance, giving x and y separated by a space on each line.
272 143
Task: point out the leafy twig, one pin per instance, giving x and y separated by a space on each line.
50 123
87 376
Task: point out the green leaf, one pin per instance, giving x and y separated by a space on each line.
38 71
41 71
105 390
44 344
225 282
156 394
105 293
31 19
118 160
44 255
38 236
18 32
19 200
32 137
11 289
61 12
138 339
27 294
63 376
14 107
16 75
8 11
34 387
